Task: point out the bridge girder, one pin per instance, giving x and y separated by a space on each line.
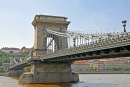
97 54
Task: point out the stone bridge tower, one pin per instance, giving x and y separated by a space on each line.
15 58
49 72
55 23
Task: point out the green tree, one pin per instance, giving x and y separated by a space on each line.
4 57
127 68
95 68
25 55
4 60
1 69
79 69
112 67
118 68
86 68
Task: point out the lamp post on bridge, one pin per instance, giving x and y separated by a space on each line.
124 25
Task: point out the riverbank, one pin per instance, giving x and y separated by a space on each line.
2 74
105 72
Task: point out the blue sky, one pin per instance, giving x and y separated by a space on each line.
85 15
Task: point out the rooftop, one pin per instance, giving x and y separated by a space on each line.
7 48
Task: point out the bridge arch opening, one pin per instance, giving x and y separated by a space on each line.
51 45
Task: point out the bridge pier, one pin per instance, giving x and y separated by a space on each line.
49 73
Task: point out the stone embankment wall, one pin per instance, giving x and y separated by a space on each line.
103 72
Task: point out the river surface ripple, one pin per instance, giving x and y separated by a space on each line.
86 80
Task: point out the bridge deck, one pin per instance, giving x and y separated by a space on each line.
86 48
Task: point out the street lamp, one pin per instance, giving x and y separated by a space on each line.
124 24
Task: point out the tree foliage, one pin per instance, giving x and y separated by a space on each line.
95 68
1 69
116 68
79 69
86 68
4 57
127 68
25 55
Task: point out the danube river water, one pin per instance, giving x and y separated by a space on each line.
86 80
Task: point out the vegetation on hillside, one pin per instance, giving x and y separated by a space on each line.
4 57
1 69
25 55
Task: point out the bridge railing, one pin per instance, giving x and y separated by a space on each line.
125 36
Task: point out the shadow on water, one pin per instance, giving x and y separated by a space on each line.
47 85
78 84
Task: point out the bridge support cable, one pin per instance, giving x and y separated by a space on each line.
52 43
49 42
68 42
21 59
81 39
16 62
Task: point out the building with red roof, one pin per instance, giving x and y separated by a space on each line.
10 50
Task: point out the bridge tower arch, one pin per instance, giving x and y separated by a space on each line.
15 58
55 23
